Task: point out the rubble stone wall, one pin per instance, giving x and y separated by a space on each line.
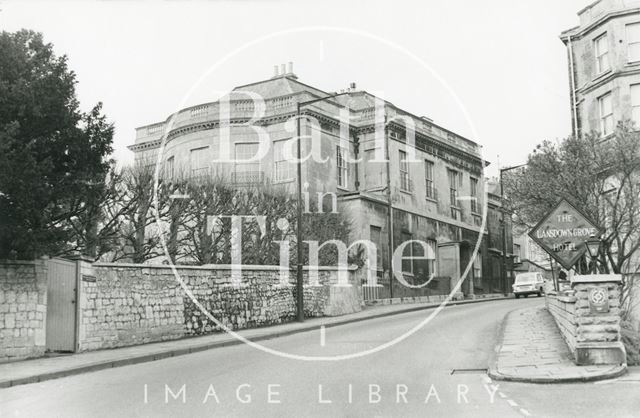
23 309
128 304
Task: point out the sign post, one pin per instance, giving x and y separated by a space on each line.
563 233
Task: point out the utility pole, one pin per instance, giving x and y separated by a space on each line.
299 280
389 209
505 286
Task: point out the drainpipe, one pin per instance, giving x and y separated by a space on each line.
574 105
356 151
389 209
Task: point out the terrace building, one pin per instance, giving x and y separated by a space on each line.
604 66
436 197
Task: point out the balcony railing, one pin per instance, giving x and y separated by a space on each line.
242 178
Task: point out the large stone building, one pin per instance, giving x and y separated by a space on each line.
437 198
604 66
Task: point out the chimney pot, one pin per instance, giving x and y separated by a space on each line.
290 68
283 69
275 70
352 86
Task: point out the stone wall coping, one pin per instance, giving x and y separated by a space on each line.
216 267
562 297
19 262
597 278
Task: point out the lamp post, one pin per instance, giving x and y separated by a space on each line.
299 279
505 287
593 247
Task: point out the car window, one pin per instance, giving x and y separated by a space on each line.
525 278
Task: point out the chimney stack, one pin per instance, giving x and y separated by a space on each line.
290 68
283 69
275 70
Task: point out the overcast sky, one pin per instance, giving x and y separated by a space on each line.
498 61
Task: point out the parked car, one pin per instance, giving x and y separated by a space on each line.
528 284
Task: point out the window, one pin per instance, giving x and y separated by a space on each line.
601 48
375 236
635 104
633 42
474 194
405 183
428 175
606 114
199 161
282 168
341 166
246 172
516 253
169 167
455 181
407 264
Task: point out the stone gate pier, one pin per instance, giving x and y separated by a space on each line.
588 316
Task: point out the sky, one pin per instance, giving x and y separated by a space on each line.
493 71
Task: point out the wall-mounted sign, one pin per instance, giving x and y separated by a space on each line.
598 300
88 278
563 233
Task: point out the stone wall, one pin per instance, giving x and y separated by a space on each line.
633 301
592 336
23 307
127 304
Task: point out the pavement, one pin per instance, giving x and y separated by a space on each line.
438 371
42 369
531 349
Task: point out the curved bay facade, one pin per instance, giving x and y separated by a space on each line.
437 197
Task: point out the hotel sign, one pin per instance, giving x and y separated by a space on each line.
563 233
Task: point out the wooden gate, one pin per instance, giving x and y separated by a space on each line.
61 305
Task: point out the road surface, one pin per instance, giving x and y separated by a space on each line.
438 371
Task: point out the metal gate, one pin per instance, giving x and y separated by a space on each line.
61 305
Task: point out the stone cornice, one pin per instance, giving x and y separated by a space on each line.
424 142
442 150
145 145
578 32
628 71
435 217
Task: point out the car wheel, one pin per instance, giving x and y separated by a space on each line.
526 296
517 296
539 294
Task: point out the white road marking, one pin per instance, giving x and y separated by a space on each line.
512 402
487 379
525 412
502 395
322 336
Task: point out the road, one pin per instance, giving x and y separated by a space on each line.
411 378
